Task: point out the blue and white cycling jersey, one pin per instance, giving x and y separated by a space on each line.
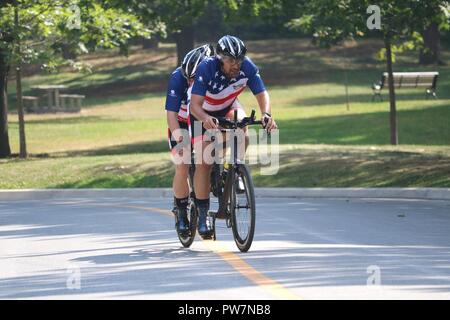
219 91
177 98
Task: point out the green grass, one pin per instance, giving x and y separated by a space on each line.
119 139
146 165
334 166
109 171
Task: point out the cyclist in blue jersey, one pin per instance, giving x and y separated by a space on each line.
177 99
218 82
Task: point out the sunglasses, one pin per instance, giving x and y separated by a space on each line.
232 61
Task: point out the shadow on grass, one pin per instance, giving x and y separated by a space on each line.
299 168
328 100
328 168
116 176
94 101
72 120
134 148
117 83
428 126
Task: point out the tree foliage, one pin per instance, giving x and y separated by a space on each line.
84 25
332 21
33 31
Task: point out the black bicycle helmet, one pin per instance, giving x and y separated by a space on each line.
231 46
193 58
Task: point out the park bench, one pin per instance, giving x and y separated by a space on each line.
30 103
425 80
75 102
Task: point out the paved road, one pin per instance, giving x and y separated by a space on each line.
303 249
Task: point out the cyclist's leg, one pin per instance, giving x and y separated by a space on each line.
202 174
240 111
180 183
201 142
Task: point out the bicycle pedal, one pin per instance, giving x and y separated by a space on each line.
211 213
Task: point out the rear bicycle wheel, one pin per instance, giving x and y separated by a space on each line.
242 208
187 239
192 214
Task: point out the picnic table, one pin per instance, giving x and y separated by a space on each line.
52 94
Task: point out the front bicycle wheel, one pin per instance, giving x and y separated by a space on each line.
242 207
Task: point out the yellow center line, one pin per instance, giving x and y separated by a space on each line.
251 273
231 258
162 211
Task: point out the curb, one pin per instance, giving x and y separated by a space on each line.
380 193
387 193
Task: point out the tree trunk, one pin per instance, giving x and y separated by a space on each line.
431 54
393 108
150 43
185 42
67 52
23 146
5 149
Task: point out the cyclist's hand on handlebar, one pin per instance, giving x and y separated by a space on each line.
210 123
268 122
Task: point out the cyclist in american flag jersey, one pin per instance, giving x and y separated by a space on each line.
218 82
180 84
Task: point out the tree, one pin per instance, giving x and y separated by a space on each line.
401 22
172 17
5 37
430 51
181 17
39 26
5 149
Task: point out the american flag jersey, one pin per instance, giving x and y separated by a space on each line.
219 91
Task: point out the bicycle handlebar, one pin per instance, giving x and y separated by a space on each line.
234 124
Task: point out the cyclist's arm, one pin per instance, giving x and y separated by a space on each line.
173 102
196 106
172 123
198 112
264 105
263 101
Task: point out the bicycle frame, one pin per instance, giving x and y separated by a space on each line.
232 127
